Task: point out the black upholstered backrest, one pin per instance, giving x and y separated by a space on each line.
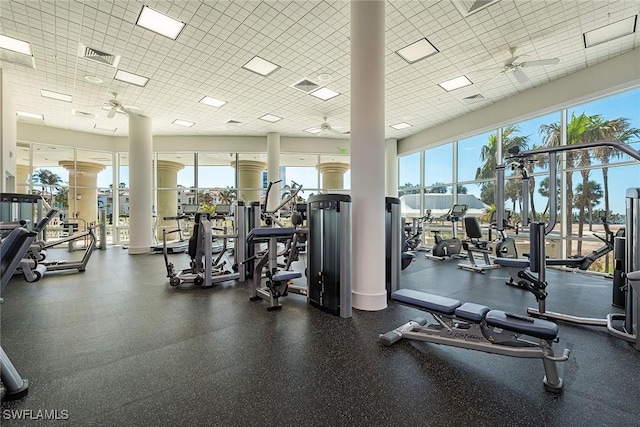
472 227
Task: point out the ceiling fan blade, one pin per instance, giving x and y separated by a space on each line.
510 60
112 113
520 76
485 84
489 69
539 62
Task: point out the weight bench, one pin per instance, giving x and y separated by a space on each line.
277 283
477 327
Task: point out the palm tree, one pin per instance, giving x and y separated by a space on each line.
587 196
591 197
584 128
227 196
204 198
551 137
487 192
488 155
543 190
617 130
513 192
47 180
488 152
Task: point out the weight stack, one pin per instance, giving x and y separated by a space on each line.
619 255
329 253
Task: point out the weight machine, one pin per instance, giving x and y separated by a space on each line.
623 326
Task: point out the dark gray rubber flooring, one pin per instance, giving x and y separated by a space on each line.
118 346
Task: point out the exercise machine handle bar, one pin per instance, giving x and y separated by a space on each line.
295 189
552 151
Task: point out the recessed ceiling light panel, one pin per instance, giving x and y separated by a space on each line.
183 123
29 115
260 66
212 101
417 51
402 125
15 45
456 83
134 79
313 130
324 93
610 32
56 95
159 23
270 118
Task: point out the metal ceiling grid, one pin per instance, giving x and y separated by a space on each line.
304 39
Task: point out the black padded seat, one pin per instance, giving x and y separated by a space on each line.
538 328
426 301
472 312
282 276
266 232
512 262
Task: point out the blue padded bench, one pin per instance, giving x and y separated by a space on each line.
425 301
476 313
525 325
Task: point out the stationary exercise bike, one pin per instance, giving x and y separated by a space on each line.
505 245
447 248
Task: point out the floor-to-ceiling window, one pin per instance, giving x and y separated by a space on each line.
594 181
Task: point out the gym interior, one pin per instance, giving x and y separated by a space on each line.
288 213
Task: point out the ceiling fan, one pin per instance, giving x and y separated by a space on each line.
326 129
513 66
115 106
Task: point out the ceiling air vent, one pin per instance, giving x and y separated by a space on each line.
98 56
305 85
83 114
17 58
469 7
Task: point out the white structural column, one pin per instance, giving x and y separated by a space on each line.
249 179
167 194
367 154
273 167
333 175
391 167
83 176
23 177
140 186
8 138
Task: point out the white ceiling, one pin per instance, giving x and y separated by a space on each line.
305 38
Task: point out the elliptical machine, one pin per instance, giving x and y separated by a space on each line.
447 248
413 233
